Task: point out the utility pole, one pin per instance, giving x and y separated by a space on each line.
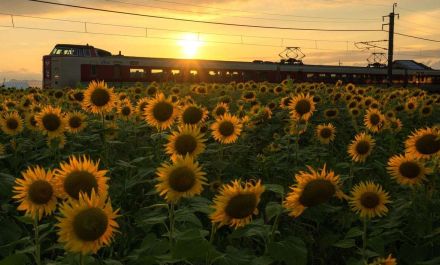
390 43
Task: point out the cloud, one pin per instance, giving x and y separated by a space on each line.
20 74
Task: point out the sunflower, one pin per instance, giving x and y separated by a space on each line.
226 129
311 189
98 98
11 124
407 170
181 179
331 113
411 105
423 143
384 261
80 175
302 107
395 125
354 112
236 203
87 224
220 110
193 114
141 104
369 200
125 110
160 112
361 147
76 122
186 141
426 110
374 120
56 141
35 192
51 121
31 122
325 133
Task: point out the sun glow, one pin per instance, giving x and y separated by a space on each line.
190 44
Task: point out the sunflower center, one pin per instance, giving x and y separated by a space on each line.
40 192
79 96
192 115
362 147
330 113
32 121
325 133
185 144
90 224
354 112
75 122
409 169
80 181
316 192
374 119
241 206
162 111
182 179
370 200
426 110
126 111
51 122
286 101
410 105
226 128
100 97
428 144
220 111
303 106
12 124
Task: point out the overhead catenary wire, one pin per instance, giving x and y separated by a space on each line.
237 16
203 21
281 39
261 13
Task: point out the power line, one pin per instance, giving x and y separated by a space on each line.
262 13
176 30
235 16
416 37
167 38
203 21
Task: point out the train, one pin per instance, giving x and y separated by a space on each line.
70 65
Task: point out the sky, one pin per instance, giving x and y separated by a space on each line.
22 48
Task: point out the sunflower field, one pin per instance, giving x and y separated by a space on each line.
221 174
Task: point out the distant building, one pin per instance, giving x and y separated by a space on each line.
22 84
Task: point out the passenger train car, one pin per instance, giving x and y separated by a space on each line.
69 65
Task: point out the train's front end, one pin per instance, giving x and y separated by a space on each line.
61 68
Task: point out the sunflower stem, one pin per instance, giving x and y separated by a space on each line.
213 231
274 228
172 223
364 241
81 259
37 241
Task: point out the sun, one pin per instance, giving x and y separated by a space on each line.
190 44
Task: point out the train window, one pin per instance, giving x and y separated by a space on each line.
87 53
212 73
193 72
344 75
156 71
321 75
137 73
310 75
333 75
175 72
93 70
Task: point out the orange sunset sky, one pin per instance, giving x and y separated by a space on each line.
21 49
